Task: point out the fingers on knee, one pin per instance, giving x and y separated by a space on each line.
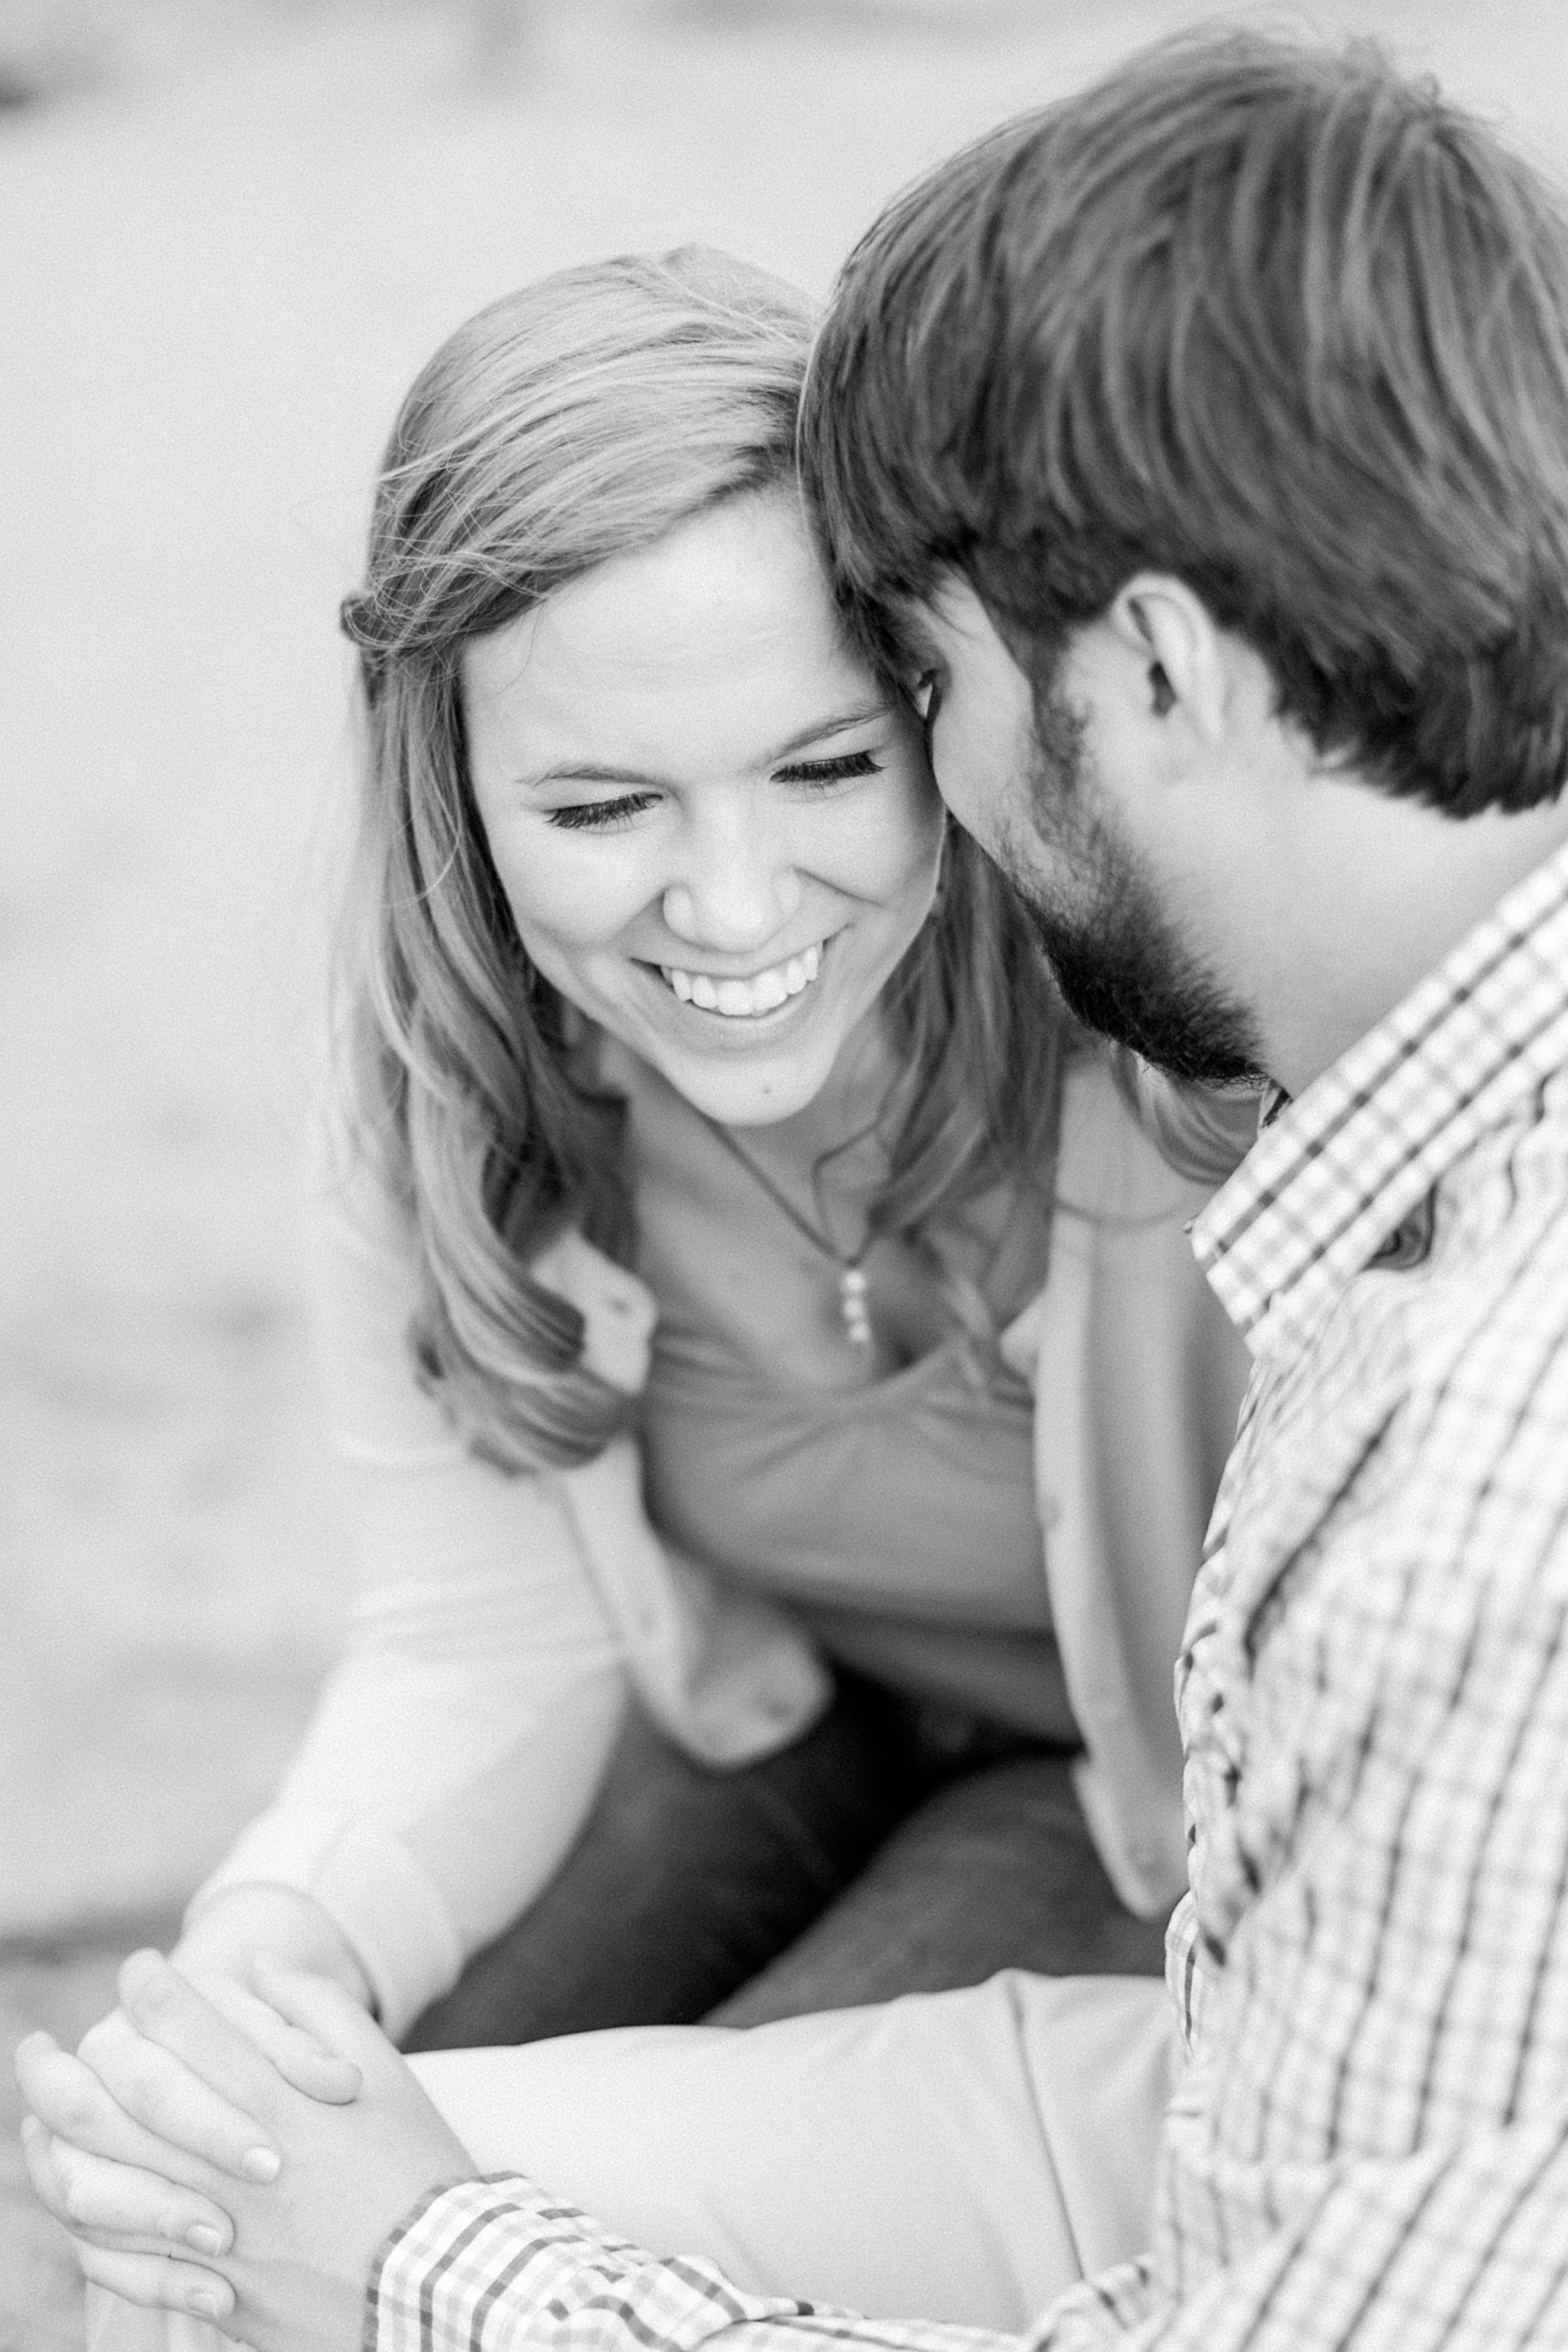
159 2001
151 2086
155 2282
41 2161
145 2087
74 2104
109 2202
196 2038
80 2201
58 2174
107 2051
105 2035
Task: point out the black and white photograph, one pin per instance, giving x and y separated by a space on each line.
783 1301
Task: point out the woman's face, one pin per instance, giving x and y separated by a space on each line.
716 832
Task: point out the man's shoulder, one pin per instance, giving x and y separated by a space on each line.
1433 1404
1500 1227
1476 1380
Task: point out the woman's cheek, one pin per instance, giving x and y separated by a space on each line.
902 833
574 895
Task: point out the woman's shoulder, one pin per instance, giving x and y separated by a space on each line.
362 1244
1131 1135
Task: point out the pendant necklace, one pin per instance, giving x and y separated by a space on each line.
853 1307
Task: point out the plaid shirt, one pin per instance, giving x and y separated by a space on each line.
1369 2145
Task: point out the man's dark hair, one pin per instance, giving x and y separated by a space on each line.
1276 321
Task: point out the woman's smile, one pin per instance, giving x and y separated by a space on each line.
746 999
716 834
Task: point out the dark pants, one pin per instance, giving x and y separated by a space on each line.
893 1849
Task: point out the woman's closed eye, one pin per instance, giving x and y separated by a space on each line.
601 816
819 774
609 816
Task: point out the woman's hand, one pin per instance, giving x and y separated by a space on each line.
127 2188
295 2275
241 1924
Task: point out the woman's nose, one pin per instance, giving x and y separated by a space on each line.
733 893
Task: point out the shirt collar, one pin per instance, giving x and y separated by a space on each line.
1332 1175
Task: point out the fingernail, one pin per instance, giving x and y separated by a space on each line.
205 2238
207 2304
261 2164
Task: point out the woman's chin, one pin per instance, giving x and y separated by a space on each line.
744 1070
745 1091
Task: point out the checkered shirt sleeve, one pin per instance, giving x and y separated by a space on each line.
493 2265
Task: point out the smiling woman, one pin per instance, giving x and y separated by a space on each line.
714 839
778 1407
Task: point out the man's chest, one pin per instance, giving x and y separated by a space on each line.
1325 1435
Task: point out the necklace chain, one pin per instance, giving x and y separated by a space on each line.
853 1308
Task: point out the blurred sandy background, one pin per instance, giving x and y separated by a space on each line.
229 231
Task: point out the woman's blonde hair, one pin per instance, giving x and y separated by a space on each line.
578 419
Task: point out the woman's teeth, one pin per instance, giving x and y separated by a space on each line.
742 1000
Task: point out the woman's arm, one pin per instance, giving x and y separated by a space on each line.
456 1750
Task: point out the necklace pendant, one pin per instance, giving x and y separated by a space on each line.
852 1305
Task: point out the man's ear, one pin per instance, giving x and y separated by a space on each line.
1171 631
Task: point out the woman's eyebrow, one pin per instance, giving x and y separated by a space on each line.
605 772
822 731
590 771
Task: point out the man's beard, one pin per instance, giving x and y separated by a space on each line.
1119 974
1113 952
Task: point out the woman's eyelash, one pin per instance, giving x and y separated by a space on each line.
600 817
831 771
604 816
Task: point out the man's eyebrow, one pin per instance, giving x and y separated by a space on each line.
602 771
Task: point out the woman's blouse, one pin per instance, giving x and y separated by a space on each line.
457 1747
896 1515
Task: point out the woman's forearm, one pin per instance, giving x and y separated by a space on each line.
431 1800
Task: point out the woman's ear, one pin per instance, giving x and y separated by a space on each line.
1172 633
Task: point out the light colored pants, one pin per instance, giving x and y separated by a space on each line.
958 2156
